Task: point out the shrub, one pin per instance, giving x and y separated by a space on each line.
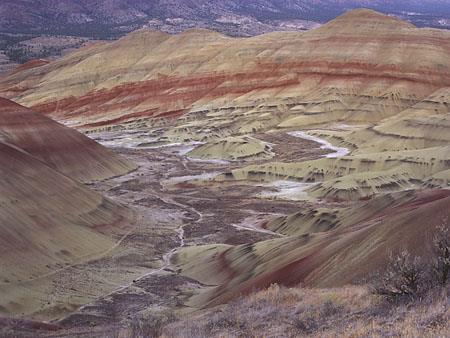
403 278
441 259
408 277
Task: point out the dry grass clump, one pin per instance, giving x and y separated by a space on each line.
147 325
342 312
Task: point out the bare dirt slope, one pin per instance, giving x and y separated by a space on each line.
48 219
62 148
350 250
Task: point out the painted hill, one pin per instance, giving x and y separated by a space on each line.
329 253
60 147
362 66
48 219
369 82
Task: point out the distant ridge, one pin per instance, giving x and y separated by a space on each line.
112 18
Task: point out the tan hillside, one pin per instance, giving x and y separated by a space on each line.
232 148
48 220
322 252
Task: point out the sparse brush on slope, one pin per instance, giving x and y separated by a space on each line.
303 312
409 278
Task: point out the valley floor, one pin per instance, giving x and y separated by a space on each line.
136 276
135 289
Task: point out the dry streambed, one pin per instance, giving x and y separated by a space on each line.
186 214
